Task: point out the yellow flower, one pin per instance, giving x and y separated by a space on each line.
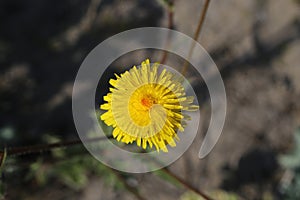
146 107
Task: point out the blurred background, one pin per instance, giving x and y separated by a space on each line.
255 44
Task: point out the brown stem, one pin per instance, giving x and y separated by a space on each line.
196 35
170 26
186 185
16 151
180 180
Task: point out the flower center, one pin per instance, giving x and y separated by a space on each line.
141 104
148 101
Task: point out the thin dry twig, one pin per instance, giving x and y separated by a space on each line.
180 180
186 185
17 151
196 34
170 26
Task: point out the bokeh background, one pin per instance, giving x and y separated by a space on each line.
255 44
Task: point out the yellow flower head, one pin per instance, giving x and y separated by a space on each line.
146 107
